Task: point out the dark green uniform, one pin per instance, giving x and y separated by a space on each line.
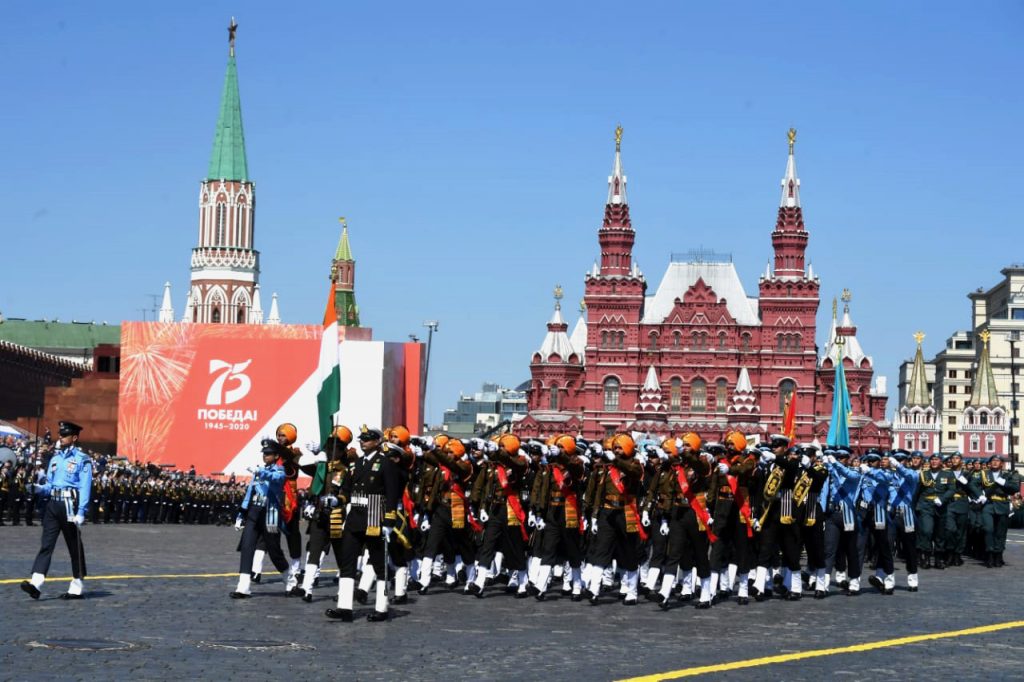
935 492
997 487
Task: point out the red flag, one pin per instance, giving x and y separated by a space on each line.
789 418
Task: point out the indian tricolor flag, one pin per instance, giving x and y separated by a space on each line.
329 397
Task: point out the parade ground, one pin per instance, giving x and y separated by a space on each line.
156 607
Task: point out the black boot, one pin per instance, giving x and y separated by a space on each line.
344 615
377 617
999 560
925 560
939 563
990 560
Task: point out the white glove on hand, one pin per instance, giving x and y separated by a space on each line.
531 520
78 520
308 511
609 455
491 446
238 522
767 458
938 502
645 520
711 522
596 448
723 468
387 531
313 446
999 479
805 461
425 523
962 479
756 525
830 459
664 527
428 442
593 526
541 524
484 516
864 468
982 499
417 451
479 444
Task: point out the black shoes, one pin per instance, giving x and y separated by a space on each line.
577 596
30 589
68 596
256 577
344 615
911 589
377 617
877 583
401 599
742 601
474 589
240 595
422 590
703 605
820 594
361 596
629 601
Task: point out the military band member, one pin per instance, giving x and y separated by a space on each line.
286 435
811 493
374 491
260 518
450 518
68 485
778 529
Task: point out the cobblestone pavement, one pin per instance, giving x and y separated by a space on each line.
186 627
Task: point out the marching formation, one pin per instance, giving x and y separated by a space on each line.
672 520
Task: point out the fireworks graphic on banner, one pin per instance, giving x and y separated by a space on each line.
156 372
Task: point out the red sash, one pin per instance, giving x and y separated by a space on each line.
695 503
512 497
743 502
569 495
631 504
409 507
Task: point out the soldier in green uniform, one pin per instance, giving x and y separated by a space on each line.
956 512
935 492
994 486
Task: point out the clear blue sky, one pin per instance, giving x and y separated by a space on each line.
469 145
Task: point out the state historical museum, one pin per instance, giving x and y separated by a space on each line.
699 354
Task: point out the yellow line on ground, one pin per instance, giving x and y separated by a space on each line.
816 653
93 578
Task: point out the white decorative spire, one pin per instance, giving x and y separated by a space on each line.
275 314
651 382
743 385
578 338
791 183
166 311
743 405
556 341
850 348
617 180
256 311
189 307
768 270
650 395
810 271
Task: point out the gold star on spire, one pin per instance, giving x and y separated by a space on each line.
985 336
919 337
792 139
558 296
618 137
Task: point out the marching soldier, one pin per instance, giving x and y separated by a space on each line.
904 526
956 514
937 487
842 521
993 487
69 485
374 491
260 518
874 504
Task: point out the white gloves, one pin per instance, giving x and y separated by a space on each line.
723 468
425 523
313 446
531 520
593 526
711 522
238 522
484 516
664 527
491 447
308 511
962 479
78 520
645 520
864 468
609 455
541 523
479 444
938 502
387 531
585 524
982 499
329 501
999 479
767 458
417 451
805 461
756 524
830 459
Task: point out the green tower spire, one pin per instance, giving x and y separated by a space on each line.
228 159
343 274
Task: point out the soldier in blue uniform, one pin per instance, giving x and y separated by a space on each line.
68 486
261 517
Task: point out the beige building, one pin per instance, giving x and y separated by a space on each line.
959 391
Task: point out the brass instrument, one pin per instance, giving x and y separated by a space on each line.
771 492
802 487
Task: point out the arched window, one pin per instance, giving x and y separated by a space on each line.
215 315
554 398
611 394
910 442
721 395
975 443
604 339
745 342
983 418
781 342
990 443
786 389
676 339
676 394
698 395
721 340
622 339
240 317
222 212
695 340
654 341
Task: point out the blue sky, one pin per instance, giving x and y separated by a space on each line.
469 145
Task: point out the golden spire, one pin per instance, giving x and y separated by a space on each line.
835 308
792 139
847 296
583 306
558 296
985 336
344 223
919 337
618 137
232 28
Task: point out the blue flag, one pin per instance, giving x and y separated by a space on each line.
839 428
